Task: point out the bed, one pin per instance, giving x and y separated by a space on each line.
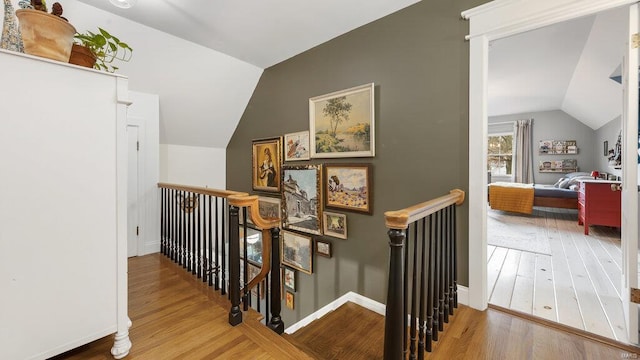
562 194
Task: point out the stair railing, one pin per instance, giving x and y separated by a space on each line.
422 289
200 230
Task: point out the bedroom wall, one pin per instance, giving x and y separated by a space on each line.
418 60
558 125
607 132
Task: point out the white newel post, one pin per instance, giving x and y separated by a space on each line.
122 344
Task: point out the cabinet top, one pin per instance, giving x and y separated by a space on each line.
600 181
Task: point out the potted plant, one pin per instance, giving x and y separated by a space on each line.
100 49
43 34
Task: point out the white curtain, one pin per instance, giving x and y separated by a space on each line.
523 152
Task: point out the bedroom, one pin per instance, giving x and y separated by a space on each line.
555 272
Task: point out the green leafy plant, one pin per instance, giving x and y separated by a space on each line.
105 47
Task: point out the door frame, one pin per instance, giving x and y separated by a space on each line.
138 124
491 21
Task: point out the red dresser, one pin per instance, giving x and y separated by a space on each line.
598 204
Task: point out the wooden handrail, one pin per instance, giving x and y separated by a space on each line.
400 219
202 190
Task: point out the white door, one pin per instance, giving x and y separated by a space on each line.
630 177
132 192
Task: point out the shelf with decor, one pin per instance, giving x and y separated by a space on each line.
558 166
558 147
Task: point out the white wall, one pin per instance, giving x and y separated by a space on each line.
191 165
203 92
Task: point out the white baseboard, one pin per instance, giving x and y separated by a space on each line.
151 247
365 302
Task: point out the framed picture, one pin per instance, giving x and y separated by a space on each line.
289 278
301 197
254 245
296 146
252 272
323 248
296 251
266 163
348 187
606 148
341 124
290 300
269 207
334 224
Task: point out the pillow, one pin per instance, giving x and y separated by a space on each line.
557 184
575 174
565 183
576 180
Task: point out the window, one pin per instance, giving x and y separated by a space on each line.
500 154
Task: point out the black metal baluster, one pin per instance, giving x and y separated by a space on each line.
421 318
405 291
436 276
163 237
447 262
441 255
183 239
224 240
210 261
454 265
174 225
247 293
430 271
216 250
199 244
414 281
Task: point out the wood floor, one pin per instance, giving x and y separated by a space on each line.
176 317
576 284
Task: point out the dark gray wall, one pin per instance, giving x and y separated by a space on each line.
558 125
418 60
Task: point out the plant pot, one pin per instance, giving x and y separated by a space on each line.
45 35
81 55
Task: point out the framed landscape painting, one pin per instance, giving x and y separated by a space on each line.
348 187
296 251
341 124
266 163
269 207
301 198
335 224
296 146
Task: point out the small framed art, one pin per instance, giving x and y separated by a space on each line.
289 278
266 164
296 146
348 187
323 248
290 298
334 224
296 251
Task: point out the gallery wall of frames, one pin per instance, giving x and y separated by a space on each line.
313 200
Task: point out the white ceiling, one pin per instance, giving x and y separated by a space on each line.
565 66
260 32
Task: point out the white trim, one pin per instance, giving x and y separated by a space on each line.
490 21
365 302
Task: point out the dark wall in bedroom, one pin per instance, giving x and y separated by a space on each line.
418 60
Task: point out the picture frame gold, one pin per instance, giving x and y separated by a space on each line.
342 123
290 300
334 224
348 187
302 198
296 251
266 164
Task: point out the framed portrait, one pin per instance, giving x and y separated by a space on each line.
334 224
323 248
341 124
266 164
289 278
269 207
348 187
296 146
301 198
289 300
296 251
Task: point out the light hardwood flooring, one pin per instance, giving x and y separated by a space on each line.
578 284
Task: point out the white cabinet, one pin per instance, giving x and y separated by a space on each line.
63 264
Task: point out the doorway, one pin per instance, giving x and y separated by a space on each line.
501 19
133 201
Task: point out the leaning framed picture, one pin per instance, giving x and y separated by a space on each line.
341 124
266 164
269 207
296 251
334 224
296 146
301 198
348 187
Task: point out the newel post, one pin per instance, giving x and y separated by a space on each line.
394 322
275 323
235 315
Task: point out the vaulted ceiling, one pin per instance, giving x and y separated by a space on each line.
566 66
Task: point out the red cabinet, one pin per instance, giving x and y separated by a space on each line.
599 204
